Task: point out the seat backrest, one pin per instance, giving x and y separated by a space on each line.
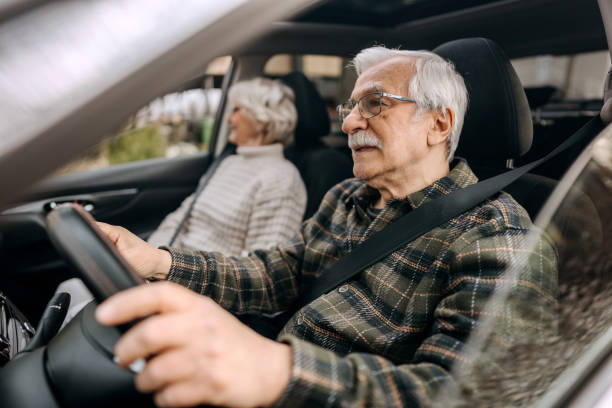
321 167
497 125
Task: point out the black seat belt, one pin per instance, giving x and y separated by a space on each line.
425 218
227 151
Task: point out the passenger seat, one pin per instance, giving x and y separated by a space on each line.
321 166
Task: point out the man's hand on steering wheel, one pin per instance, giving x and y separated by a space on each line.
147 261
198 353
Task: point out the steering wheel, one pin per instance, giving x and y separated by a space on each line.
76 369
76 236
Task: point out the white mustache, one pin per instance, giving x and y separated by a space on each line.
363 138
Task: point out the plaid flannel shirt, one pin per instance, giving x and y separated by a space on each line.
389 336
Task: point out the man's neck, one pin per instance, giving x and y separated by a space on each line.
400 184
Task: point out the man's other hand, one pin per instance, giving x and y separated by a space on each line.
148 262
198 353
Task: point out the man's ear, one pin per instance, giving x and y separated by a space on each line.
441 126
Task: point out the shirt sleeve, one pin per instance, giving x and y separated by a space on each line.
266 281
322 377
277 212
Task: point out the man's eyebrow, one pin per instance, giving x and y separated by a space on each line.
370 89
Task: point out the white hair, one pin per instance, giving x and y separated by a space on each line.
269 104
436 85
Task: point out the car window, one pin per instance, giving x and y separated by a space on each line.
519 349
172 125
576 76
564 93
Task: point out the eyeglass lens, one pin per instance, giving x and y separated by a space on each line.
369 106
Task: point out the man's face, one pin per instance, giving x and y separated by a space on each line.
402 136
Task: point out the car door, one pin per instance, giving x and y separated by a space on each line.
134 195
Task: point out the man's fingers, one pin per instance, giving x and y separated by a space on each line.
151 336
142 301
110 231
170 367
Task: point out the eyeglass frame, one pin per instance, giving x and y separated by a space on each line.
358 103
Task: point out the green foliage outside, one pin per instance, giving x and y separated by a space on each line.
137 144
152 141
207 127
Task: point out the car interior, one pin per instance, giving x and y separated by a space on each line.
506 126
139 194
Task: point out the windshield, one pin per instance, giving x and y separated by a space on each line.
61 55
510 363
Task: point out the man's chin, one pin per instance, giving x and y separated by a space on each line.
363 172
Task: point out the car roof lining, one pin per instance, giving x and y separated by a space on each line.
383 13
543 29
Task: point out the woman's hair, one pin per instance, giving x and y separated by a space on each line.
269 104
435 85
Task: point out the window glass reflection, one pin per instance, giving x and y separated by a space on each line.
513 362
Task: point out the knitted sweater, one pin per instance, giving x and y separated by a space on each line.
254 200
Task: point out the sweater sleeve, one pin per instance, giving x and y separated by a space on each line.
322 377
163 233
277 212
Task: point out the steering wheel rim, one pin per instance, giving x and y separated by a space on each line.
75 235
76 369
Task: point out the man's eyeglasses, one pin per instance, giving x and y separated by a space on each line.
370 105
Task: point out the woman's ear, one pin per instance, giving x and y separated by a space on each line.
441 127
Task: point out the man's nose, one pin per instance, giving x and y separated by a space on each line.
354 121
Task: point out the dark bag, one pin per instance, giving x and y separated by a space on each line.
15 330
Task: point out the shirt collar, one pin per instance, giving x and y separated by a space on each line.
275 149
460 176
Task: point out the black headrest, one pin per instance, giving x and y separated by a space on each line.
498 120
313 120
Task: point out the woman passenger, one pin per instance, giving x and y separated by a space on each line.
255 198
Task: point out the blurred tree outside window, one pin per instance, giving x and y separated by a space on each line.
173 125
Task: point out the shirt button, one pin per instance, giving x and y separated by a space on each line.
343 288
300 320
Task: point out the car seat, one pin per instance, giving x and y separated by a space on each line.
498 127
320 166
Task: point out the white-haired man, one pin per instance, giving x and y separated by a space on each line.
388 337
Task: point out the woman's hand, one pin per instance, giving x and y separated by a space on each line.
148 262
197 352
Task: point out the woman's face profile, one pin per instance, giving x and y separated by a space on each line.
243 131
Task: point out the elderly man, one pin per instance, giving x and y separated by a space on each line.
388 337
